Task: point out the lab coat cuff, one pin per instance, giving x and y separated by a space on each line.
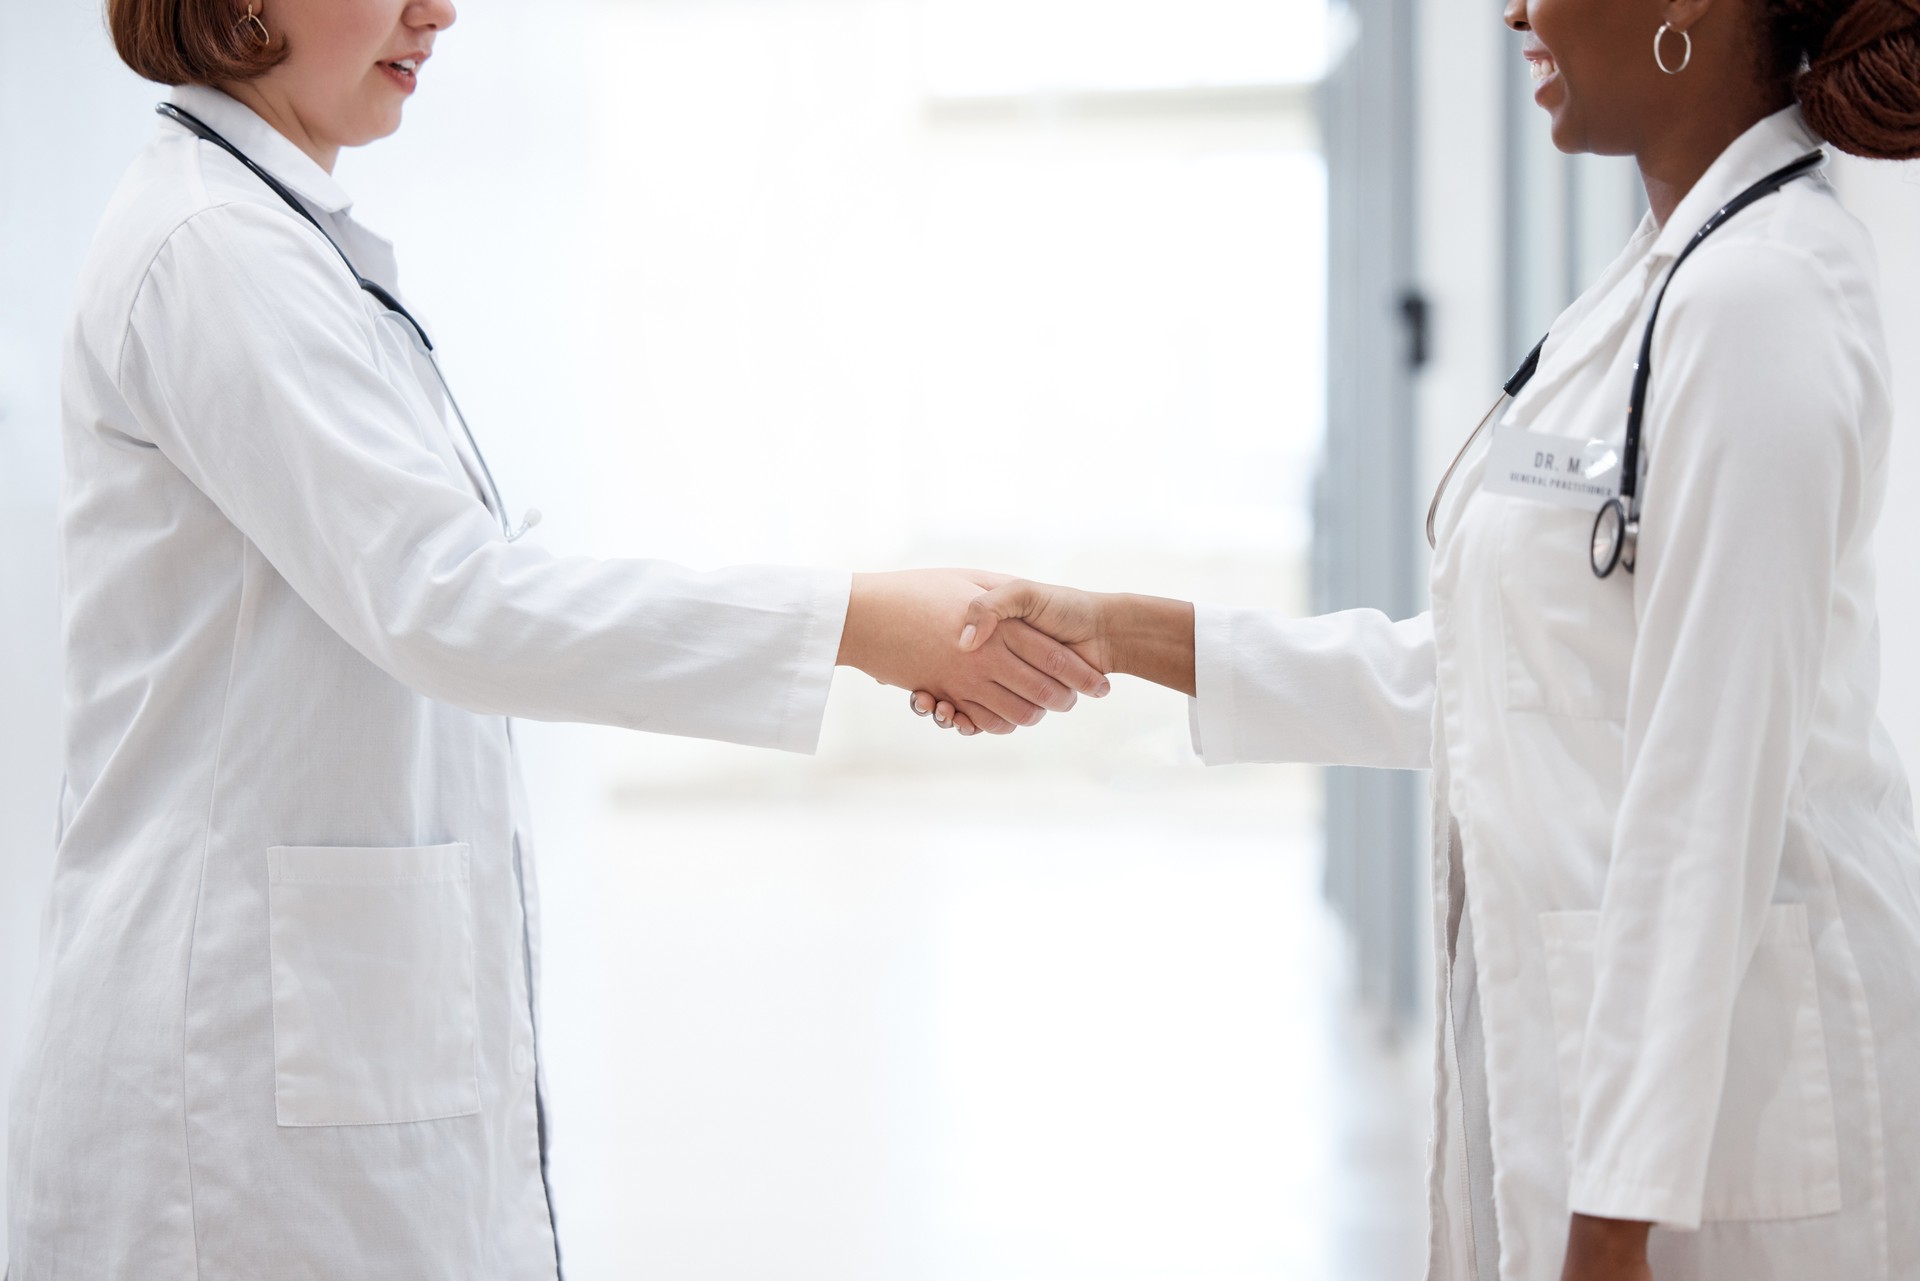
814 662
1212 713
1604 1196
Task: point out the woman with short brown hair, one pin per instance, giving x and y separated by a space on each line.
285 1018
193 42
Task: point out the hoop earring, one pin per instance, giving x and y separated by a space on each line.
251 22
1659 56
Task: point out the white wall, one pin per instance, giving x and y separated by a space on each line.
70 116
1887 197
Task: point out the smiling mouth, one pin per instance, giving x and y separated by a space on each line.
1543 69
405 66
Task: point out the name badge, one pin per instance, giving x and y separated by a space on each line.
1558 470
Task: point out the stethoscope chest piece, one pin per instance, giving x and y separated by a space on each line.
1616 536
1616 528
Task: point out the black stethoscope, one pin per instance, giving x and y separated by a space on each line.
1616 529
415 330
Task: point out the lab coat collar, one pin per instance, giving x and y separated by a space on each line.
1773 143
1620 295
264 145
1593 320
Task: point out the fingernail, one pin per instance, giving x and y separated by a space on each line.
1103 689
941 721
966 635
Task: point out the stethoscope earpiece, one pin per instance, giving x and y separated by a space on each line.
532 518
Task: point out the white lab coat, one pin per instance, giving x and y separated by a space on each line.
285 1023
1677 889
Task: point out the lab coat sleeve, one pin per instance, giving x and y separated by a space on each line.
1352 688
1755 467
251 358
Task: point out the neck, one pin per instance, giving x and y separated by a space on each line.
272 108
1676 160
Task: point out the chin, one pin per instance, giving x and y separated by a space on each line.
383 125
1568 138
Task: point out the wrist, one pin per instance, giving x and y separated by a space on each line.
1117 630
856 635
1606 1247
1149 637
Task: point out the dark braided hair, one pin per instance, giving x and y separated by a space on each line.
1855 67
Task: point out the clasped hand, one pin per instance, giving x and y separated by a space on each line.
1074 620
961 641
988 652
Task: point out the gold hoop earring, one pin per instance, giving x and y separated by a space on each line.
258 28
1659 54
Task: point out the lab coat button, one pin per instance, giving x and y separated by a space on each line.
522 1059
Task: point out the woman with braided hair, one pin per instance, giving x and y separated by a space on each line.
1677 909
1854 65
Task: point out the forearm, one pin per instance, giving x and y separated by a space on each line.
739 654
1152 638
859 637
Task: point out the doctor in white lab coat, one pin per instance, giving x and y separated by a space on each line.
1677 887
285 1024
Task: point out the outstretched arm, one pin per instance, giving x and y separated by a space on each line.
1352 688
326 465
1145 636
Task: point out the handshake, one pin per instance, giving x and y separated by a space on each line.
988 653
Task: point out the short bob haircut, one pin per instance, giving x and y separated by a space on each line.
200 42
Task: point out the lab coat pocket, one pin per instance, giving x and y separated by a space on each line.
1568 636
374 1017
1776 1151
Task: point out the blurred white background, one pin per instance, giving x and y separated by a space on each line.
876 282
1034 285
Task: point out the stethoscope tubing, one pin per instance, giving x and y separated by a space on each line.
479 455
1616 526
1511 388
194 125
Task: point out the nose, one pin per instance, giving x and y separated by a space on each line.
436 15
1516 16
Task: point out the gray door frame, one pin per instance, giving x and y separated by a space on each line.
1366 519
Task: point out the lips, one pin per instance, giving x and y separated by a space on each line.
1540 63
407 65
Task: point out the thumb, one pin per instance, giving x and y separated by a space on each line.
988 610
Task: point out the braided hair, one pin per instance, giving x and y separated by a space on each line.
1855 67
